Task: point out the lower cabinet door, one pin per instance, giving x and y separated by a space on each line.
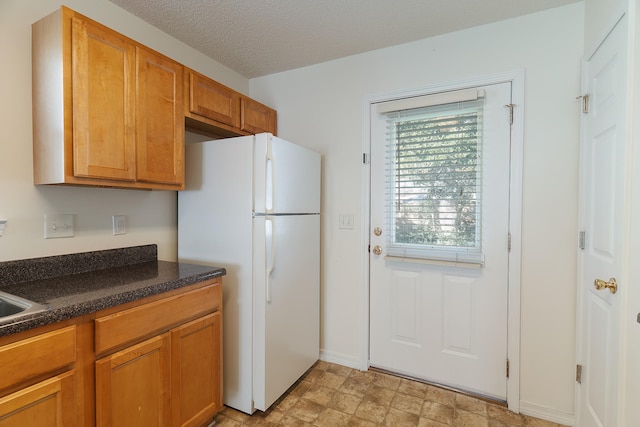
196 359
133 386
48 403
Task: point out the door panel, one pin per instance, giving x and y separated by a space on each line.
286 328
103 103
446 322
602 208
287 177
159 119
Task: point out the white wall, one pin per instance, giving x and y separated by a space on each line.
151 215
599 17
321 107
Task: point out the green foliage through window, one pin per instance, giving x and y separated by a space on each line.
434 177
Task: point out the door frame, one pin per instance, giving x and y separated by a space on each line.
516 78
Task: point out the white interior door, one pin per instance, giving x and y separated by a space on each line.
432 317
602 211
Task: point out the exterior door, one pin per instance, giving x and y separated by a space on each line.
602 210
439 312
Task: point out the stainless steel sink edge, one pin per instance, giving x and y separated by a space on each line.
18 308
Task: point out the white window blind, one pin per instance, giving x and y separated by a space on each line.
434 182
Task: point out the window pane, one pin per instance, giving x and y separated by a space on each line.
434 178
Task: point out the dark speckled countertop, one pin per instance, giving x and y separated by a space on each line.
77 284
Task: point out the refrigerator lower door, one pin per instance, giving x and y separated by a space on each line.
286 340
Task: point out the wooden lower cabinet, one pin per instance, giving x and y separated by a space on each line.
38 378
47 403
133 385
153 362
196 368
171 379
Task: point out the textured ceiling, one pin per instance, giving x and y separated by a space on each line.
260 37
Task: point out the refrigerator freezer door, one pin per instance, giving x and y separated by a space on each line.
286 302
287 177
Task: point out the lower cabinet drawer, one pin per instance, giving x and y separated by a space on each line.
36 356
131 325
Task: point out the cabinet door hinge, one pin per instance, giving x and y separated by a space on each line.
579 374
510 107
581 239
507 368
585 103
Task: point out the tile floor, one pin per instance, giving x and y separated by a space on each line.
331 395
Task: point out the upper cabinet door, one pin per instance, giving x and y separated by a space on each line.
256 117
210 99
160 118
103 92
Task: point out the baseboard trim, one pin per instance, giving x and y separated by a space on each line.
341 359
548 414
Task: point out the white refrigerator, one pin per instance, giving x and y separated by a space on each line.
252 205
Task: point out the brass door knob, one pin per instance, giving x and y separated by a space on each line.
612 285
377 249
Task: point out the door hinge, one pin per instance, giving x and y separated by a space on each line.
509 242
579 374
369 248
510 107
581 239
585 103
365 159
507 368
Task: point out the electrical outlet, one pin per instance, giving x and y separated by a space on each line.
119 224
58 225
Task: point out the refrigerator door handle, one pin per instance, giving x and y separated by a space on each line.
270 252
269 181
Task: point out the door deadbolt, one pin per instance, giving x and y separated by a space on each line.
377 231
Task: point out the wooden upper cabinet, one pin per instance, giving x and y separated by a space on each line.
216 110
110 112
256 117
159 119
106 110
103 90
210 99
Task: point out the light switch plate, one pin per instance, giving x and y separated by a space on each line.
345 221
58 225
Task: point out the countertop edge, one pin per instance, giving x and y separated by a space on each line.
67 312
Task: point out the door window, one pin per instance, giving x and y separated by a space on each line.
434 182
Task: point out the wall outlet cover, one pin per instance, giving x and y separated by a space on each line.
119 224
